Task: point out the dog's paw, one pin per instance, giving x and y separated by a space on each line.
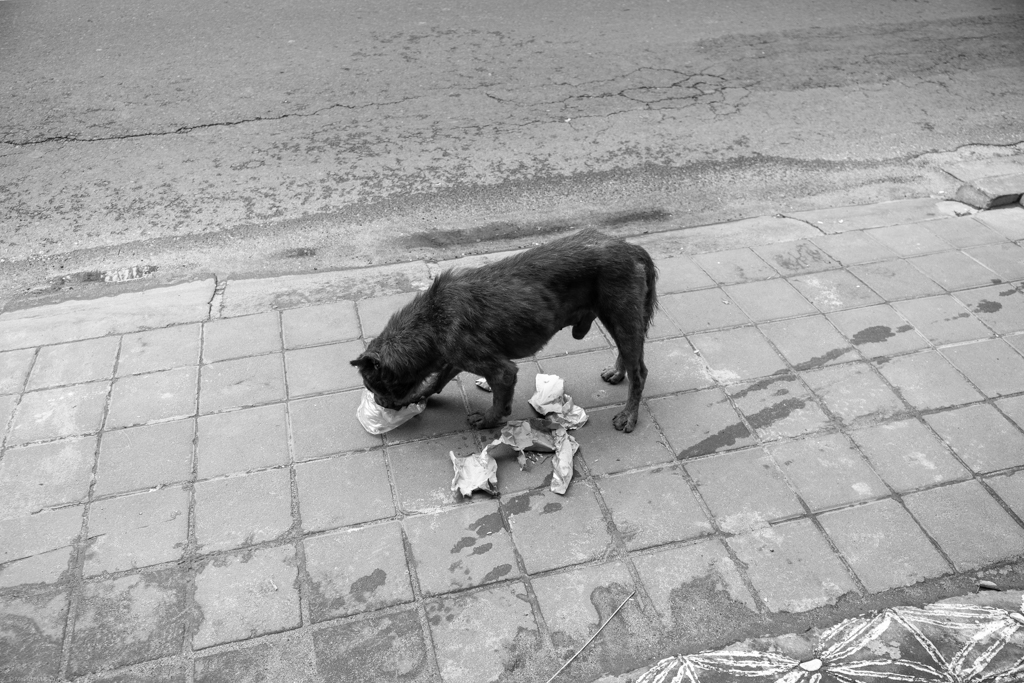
613 376
624 421
480 421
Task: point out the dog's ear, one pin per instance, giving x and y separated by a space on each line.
368 360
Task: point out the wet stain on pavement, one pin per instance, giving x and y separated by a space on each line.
722 439
551 507
877 334
487 525
517 505
986 306
821 360
481 549
774 413
497 573
364 586
463 543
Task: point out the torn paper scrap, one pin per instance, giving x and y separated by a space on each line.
543 436
551 400
378 419
482 383
478 471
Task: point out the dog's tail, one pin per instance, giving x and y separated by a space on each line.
651 298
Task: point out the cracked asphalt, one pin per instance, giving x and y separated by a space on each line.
260 138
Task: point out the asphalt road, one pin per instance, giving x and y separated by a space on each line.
259 137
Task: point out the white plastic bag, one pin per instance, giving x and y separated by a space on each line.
377 419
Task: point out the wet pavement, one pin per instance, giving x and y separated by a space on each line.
832 426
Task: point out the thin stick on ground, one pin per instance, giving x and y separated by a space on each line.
586 644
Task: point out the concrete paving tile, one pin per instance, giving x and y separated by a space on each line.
374 313
827 471
479 400
884 545
607 450
248 335
673 366
242 511
894 280
445 413
735 266
245 595
89 360
1006 259
1016 341
851 248
563 342
927 381
907 456
680 274
165 395
290 659
46 568
738 354
942 319
954 270
846 218
14 367
31 635
993 366
654 507
705 309
700 422
582 375
155 350
57 413
553 531
662 326
744 490
968 524
7 406
769 300
909 240
128 620
478 635
794 258
854 393
878 331
242 382
355 571
343 490
135 531
1001 307
327 424
983 439
32 535
809 342
45 475
460 548
992 191
151 672
144 457
323 324
1008 221
792 567
698 594
242 440
576 602
319 369
834 290
1013 408
1010 488
390 647
778 407
422 471
964 231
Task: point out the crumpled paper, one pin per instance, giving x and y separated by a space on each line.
551 401
378 419
531 439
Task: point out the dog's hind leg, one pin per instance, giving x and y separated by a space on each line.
630 363
501 375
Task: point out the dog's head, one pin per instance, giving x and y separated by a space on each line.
399 365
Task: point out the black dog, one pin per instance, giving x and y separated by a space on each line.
480 319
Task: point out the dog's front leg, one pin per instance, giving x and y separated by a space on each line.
502 378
